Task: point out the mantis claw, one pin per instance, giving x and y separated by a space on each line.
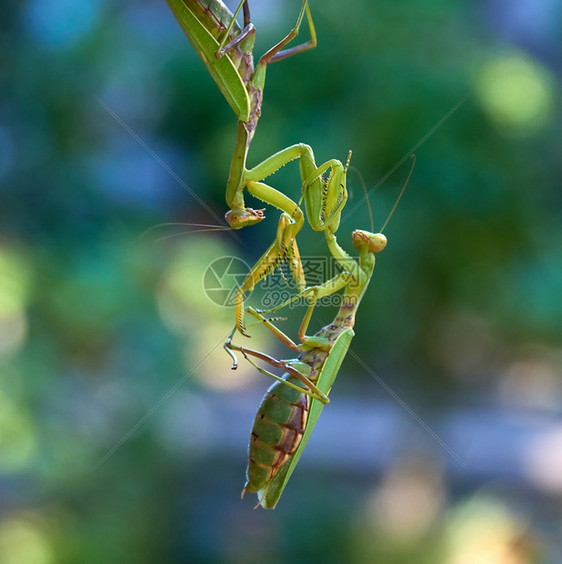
228 349
243 332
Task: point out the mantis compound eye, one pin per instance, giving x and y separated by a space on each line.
371 242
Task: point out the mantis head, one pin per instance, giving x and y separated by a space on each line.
368 242
241 218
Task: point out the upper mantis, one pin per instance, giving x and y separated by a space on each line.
227 51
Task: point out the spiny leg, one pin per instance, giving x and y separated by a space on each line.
240 178
324 198
350 277
283 248
267 322
275 53
239 215
290 223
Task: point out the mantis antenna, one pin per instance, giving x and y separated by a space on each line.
358 172
201 228
400 195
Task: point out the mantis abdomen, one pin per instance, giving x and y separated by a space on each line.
276 434
281 422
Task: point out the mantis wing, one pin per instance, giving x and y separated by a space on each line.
269 495
203 30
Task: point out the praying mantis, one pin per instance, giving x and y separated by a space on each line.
288 412
227 52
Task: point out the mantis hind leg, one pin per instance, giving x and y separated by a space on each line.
324 201
297 369
277 53
284 247
324 198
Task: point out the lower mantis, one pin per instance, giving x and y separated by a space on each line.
288 412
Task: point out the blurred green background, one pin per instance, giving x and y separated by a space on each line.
123 431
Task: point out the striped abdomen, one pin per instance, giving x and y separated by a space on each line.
278 429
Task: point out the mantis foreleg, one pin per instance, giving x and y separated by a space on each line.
284 248
324 198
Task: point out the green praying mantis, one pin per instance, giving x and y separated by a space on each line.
226 50
288 412
291 407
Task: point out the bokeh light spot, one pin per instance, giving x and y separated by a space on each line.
22 543
543 462
485 531
516 91
13 282
407 503
187 310
184 307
